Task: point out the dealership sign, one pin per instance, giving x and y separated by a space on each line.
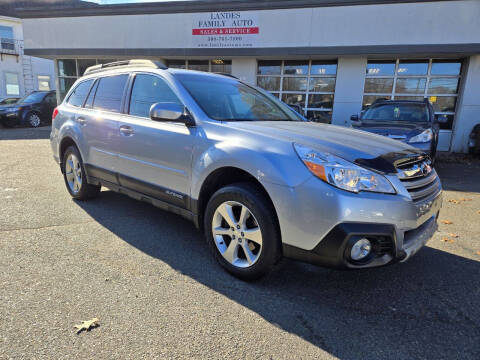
225 29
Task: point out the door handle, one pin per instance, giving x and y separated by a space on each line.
82 121
126 130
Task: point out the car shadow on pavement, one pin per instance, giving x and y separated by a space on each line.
25 134
428 307
459 175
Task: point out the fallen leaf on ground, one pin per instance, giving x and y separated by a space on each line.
87 325
478 252
446 239
455 201
447 222
453 235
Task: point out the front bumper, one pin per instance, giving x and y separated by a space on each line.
317 222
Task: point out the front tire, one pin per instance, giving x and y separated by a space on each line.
75 178
241 231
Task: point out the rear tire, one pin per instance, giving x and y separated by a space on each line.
33 119
240 231
75 176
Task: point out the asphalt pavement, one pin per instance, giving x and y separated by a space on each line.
148 277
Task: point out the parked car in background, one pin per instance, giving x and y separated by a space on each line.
474 141
259 180
9 100
32 110
412 122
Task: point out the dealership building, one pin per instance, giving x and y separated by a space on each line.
332 58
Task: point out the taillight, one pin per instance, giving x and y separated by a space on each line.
55 113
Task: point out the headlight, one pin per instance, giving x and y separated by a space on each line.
423 137
341 173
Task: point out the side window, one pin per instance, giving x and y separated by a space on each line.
79 93
89 102
51 99
148 90
110 92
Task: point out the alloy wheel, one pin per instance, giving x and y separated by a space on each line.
73 173
34 120
237 234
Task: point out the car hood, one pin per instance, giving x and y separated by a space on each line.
368 150
399 131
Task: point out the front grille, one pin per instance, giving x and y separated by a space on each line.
419 178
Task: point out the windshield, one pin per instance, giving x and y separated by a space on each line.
230 100
8 101
33 97
397 112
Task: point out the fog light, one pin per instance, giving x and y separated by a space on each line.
361 249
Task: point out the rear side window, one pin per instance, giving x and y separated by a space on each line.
80 93
110 92
148 90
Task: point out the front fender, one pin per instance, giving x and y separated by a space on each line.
280 166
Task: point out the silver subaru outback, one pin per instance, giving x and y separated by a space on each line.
259 180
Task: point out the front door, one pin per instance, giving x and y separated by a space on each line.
154 158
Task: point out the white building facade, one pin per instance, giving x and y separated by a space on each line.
332 58
20 73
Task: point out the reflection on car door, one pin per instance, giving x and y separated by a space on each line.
159 153
100 118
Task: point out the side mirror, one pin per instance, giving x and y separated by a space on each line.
354 118
170 112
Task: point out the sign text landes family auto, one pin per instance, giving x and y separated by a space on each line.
225 29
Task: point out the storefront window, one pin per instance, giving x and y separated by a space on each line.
83 64
379 68
412 67
308 84
221 66
69 70
43 82
199 65
11 83
435 79
214 65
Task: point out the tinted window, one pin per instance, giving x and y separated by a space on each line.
80 93
110 92
51 99
34 97
89 102
148 90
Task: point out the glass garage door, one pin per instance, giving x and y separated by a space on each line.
310 85
435 79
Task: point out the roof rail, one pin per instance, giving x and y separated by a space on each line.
125 63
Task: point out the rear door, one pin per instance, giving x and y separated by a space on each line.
99 118
49 103
154 157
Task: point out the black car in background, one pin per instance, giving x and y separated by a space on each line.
410 121
32 110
